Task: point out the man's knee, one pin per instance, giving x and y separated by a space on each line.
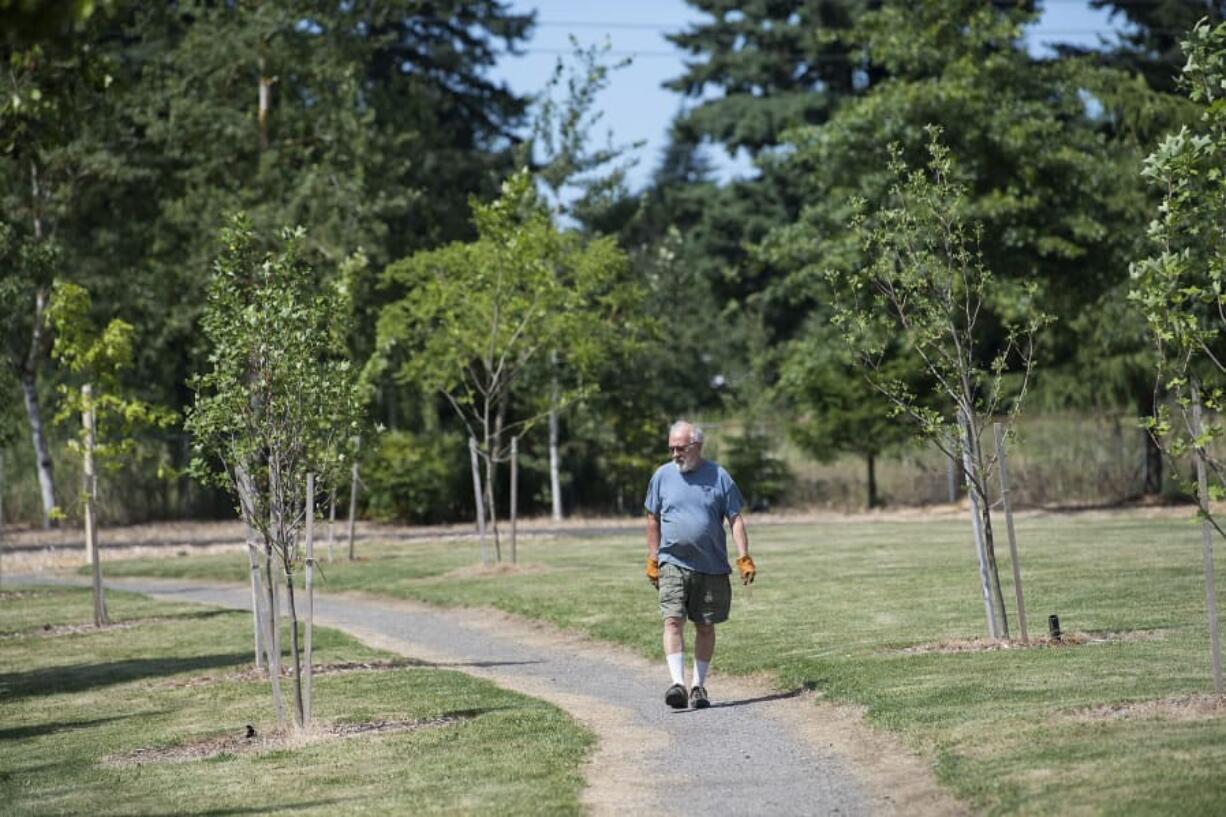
704 629
674 623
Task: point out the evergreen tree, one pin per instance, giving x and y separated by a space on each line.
1051 179
1149 45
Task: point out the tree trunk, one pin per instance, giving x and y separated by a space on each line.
257 604
985 582
29 371
90 479
42 454
871 463
246 504
272 637
293 646
989 542
478 499
998 597
489 498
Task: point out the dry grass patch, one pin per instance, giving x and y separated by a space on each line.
56 630
479 571
1072 639
1175 708
252 742
252 674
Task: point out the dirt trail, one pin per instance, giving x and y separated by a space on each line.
756 751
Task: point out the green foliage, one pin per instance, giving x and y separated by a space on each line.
566 114
1181 288
1150 45
280 399
1047 150
418 477
922 286
475 316
97 358
836 409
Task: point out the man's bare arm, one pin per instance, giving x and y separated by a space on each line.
653 536
740 535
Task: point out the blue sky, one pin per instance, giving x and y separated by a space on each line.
635 105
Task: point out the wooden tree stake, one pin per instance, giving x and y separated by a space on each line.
331 520
353 503
514 494
1008 508
310 597
1206 529
91 510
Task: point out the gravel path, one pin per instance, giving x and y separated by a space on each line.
756 751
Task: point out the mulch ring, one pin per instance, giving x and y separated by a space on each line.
251 742
287 671
1194 707
14 595
53 630
1070 639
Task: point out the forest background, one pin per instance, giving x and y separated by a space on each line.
131 132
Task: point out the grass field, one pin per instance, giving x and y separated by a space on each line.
72 700
1113 726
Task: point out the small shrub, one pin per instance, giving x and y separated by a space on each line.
419 478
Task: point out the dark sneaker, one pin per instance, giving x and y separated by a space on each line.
676 697
698 698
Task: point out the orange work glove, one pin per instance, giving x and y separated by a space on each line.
748 570
653 572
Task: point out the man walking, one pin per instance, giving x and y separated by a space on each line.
688 500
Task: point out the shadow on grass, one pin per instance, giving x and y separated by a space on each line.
80 677
447 664
51 727
265 809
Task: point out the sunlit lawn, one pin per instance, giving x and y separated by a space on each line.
836 604
70 702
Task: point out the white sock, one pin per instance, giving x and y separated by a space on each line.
676 667
700 672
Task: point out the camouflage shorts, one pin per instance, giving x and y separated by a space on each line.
704 598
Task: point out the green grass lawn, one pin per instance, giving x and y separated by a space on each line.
69 700
836 603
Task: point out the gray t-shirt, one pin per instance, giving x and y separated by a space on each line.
692 508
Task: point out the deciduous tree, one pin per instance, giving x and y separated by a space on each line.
276 403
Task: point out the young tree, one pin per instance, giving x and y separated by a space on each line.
471 318
108 416
923 284
1181 290
278 403
562 129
